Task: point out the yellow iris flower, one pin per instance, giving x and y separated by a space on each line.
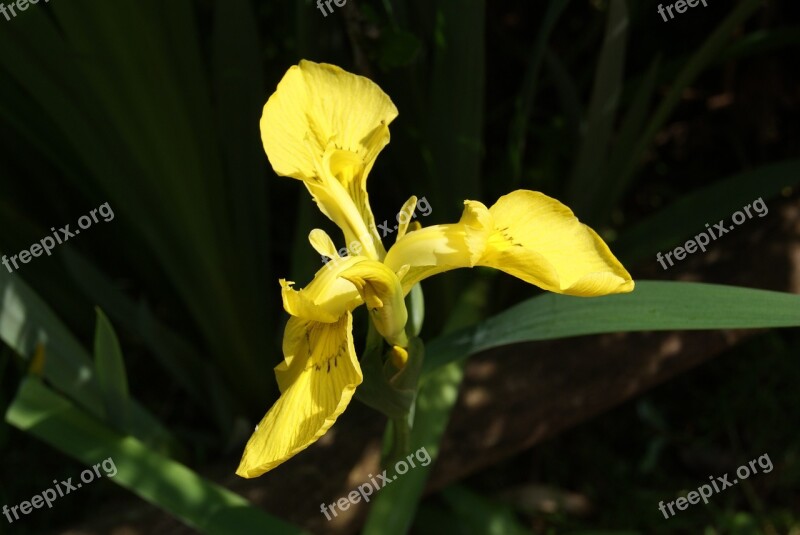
326 127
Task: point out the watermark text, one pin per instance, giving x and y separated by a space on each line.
701 240
720 483
364 491
59 490
48 243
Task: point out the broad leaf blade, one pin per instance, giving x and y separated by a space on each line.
26 321
686 217
159 480
652 306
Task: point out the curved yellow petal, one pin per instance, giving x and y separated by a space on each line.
327 296
539 240
404 216
439 248
319 378
526 234
326 126
355 220
382 292
322 243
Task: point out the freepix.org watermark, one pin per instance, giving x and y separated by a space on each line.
15 7
721 483
48 243
403 217
680 6
339 3
701 240
59 490
366 490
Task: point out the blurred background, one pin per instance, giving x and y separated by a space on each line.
647 129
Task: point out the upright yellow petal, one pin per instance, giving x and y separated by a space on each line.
539 240
323 244
318 379
326 126
404 216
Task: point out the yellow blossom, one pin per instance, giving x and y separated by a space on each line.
325 127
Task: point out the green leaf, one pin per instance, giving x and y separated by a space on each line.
608 81
173 487
379 391
26 321
479 516
627 137
761 42
150 67
523 106
455 127
652 306
393 509
111 376
239 95
415 303
687 216
398 48
692 69
198 377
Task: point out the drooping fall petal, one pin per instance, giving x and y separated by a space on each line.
525 234
317 380
539 240
327 296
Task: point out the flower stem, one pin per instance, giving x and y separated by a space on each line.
401 434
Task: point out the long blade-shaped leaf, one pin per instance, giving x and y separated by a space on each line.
104 77
686 217
167 484
176 355
602 109
111 375
652 306
393 509
26 321
698 62
524 102
456 117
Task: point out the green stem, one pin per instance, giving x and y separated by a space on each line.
401 443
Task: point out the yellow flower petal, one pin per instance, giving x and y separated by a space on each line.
326 126
322 243
539 240
382 292
327 296
319 378
439 248
526 234
404 216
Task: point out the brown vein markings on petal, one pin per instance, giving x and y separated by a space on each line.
322 344
506 237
